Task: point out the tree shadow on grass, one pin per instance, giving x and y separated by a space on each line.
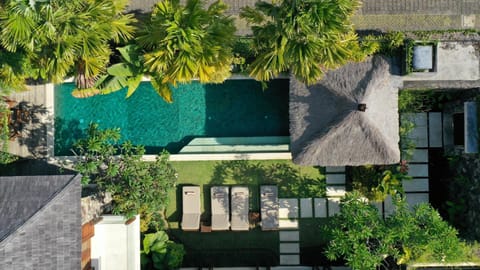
289 179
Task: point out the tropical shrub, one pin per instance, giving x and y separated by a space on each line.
137 187
186 42
160 253
377 182
306 38
65 37
366 241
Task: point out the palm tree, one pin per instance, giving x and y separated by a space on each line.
182 43
65 37
305 37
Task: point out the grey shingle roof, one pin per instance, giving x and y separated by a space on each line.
328 129
40 222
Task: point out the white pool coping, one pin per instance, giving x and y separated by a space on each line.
65 160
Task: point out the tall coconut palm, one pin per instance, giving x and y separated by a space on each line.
65 37
304 37
183 43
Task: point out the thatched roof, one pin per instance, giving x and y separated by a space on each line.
40 222
328 129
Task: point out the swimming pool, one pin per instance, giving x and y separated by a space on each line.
236 108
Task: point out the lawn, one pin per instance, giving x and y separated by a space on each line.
292 180
255 247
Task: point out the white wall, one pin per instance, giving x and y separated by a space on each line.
116 246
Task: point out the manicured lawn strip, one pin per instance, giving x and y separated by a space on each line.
209 173
218 249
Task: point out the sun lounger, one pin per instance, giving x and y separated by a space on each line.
191 208
269 207
220 208
240 197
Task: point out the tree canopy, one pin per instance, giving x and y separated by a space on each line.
306 38
366 240
137 187
62 38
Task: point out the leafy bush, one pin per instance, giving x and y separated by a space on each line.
366 241
137 187
160 253
377 182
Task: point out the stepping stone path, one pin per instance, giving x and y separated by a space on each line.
289 247
290 212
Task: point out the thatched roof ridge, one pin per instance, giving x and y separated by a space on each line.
327 129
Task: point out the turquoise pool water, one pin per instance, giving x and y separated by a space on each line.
234 108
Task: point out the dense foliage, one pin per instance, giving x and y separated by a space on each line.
365 240
306 38
137 187
160 253
59 38
376 182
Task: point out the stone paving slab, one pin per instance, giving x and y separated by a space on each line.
288 208
435 129
336 191
306 209
378 205
289 248
288 224
334 169
415 185
420 155
289 236
420 133
320 206
289 259
335 179
418 170
388 206
416 198
333 206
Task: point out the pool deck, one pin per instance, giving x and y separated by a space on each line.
35 132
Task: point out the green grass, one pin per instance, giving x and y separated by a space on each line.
254 247
292 180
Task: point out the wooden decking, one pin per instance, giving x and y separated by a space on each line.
36 108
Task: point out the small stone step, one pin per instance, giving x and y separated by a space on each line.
333 206
418 170
288 224
420 155
289 259
334 169
336 191
435 129
306 210
289 236
288 208
320 206
335 179
416 198
415 185
289 248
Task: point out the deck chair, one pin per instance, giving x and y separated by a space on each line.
240 207
269 207
219 197
191 208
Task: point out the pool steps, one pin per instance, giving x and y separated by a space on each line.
238 145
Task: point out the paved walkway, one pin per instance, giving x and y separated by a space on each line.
382 14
